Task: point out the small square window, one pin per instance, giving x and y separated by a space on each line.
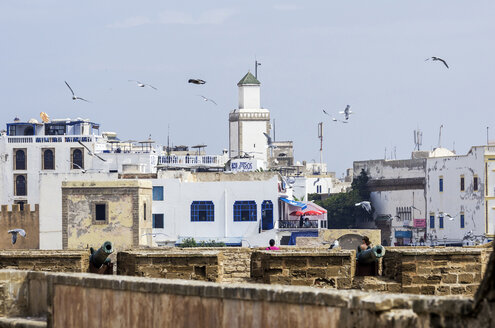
100 213
462 221
157 192
440 184
475 183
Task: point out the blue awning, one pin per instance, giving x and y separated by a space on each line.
294 203
403 234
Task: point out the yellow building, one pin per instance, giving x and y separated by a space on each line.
118 211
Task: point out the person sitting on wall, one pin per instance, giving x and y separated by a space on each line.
307 224
272 246
366 244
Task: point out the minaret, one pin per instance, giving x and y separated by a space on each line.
248 122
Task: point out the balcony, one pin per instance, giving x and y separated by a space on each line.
192 161
294 225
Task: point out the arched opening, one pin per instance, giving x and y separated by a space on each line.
48 162
267 215
20 185
20 159
77 159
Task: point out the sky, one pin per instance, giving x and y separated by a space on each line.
314 55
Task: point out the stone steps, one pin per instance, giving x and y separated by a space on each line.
376 283
28 322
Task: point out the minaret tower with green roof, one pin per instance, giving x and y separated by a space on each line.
248 122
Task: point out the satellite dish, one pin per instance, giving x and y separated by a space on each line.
291 180
44 117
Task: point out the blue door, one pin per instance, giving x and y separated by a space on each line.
267 215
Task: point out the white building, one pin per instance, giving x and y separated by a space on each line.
248 122
461 197
436 197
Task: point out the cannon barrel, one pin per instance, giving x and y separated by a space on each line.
99 257
370 255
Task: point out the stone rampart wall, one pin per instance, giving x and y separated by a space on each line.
323 268
435 271
45 260
17 219
194 265
88 300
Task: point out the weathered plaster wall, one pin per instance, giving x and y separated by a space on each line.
125 225
17 219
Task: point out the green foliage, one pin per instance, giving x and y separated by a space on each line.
298 199
190 242
342 212
314 197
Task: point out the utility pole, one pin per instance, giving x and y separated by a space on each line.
320 136
487 138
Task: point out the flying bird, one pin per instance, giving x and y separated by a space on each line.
269 141
365 205
14 233
325 112
334 244
142 85
74 97
90 153
196 81
447 215
439 59
347 111
207 99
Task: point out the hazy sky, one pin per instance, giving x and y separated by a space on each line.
315 55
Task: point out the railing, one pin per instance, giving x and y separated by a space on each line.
295 224
49 139
208 160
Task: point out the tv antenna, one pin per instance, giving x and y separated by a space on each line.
418 139
320 136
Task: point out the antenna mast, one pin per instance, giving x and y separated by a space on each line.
440 137
418 139
256 64
320 136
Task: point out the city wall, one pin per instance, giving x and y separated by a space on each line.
20 219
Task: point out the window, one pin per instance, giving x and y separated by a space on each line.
157 193
245 210
440 184
20 188
202 210
48 160
267 215
432 221
440 222
475 183
318 189
158 221
462 220
100 213
54 129
77 159
19 159
144 211
462 183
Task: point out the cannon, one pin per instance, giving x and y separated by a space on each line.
370 255
99 261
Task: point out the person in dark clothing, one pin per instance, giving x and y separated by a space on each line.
301 221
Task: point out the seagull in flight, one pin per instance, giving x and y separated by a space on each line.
447 215
439 59
347 111
325 112
90 153
269 141
74 97
14 233
207 99
196 81
365 205
142 85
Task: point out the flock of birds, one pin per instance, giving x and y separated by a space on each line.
347 111
142 85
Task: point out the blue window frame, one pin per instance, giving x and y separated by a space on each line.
440 184
157 192
462 220
432 221
245 210
440 222
202 210
158 221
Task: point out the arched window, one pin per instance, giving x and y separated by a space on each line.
20 159
267 215
20 185
48 162
77 159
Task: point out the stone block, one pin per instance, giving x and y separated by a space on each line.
418 280
298 273
344 283
449 278
442 290
409 268
428 290
316 272
302 282
466 278
296 262
406 280
280 280
411 290
433 280
457 290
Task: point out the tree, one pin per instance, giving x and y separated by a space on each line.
341 208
